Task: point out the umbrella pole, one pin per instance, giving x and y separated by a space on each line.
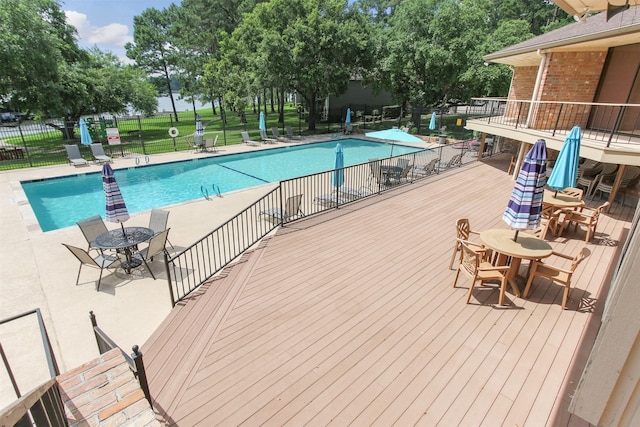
515 237
123 233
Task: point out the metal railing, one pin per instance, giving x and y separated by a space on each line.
135 361
193 266
608 123
42 406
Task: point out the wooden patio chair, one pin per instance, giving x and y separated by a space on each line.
556 274
473 264
587 216
463 232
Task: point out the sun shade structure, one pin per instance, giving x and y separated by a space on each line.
337 177
565 170
397 135
85 136
525 204
116 209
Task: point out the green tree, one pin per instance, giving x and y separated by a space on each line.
34 41
312 47
153 49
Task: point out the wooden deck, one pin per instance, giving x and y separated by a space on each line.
350 318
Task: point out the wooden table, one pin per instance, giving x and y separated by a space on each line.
561 200
525 247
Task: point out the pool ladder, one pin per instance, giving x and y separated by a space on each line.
214 188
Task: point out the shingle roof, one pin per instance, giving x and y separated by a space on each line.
595 28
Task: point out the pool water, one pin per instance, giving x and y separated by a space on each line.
61 202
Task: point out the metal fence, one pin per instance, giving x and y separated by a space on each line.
297 198
42 143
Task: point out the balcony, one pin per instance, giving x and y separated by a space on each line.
611 132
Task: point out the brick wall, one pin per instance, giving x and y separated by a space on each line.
522 84
568 77
104 392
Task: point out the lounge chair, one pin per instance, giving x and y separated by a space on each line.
348 129
100 261
98 153
276 134
330 200
426 170
265 138
249 141
354 193
290 134
454 161
210 144
291 210
376 172
73 154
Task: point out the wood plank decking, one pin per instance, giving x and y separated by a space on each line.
350 318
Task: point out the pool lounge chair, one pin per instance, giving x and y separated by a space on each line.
354 193
291 210
265 138
98 153
249 141
73 154
330 200
276 134
290 134
426 170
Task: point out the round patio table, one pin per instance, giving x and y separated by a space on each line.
525 247
561 200
124 241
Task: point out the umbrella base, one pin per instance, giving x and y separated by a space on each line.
129 265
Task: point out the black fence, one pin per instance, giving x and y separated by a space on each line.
42 143
297 198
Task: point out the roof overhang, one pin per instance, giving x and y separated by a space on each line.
578 7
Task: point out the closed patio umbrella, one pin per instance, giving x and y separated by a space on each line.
116 209
199 127
525 204
347 118
85 136
262 124
337 178
565 170
432 123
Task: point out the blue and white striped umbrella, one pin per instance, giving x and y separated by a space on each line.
199 127
525 205
116 210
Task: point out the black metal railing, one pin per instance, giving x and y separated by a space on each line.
607 123
135 361
41 406
297 198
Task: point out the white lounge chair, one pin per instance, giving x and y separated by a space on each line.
99 154
73 154
247 140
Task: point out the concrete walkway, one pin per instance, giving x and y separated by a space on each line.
36 271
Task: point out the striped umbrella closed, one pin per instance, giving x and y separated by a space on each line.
199 127
116 209
525 204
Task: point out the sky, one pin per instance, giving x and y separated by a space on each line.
107 24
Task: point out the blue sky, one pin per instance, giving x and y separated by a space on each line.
107 24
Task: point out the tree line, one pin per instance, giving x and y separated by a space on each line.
241 52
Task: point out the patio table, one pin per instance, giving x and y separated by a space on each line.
124 241
561 200
525 247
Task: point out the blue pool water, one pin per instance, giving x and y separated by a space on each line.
61 202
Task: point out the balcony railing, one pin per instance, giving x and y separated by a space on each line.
607 123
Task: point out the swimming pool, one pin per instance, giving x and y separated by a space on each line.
61 202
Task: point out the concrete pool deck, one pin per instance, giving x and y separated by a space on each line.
36 271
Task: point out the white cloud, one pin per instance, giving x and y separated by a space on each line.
111 37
